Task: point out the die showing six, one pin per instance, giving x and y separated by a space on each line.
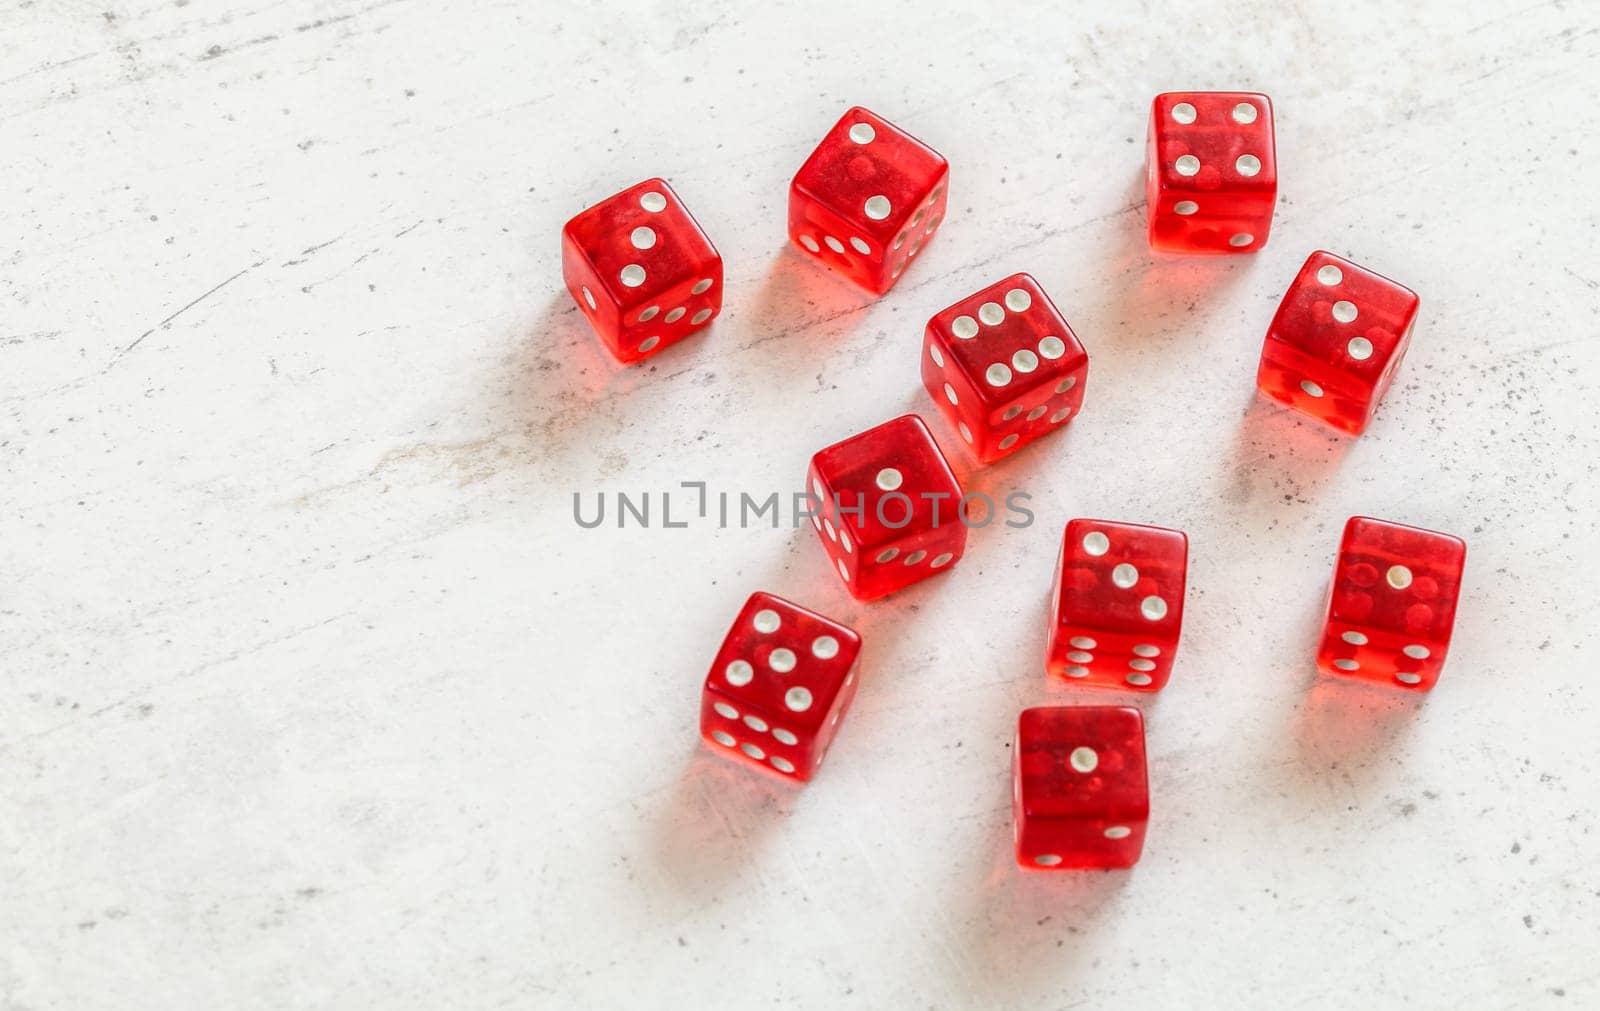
1004 368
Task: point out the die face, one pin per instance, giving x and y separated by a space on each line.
1080 787
868 199
889 508
1336 341
1116 608
1003 367
1392 604
780 684
642 270
1211 172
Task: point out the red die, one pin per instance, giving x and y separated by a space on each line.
781 681
1392 604
1003 367
890 507
1211 172
641 269
1116 609
1082 798
1336 340
867 199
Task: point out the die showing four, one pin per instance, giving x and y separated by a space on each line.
1336 340
1392 604
779 686
1116 609
1003 367
1082 796
642 270
867 199
1211 172
886 508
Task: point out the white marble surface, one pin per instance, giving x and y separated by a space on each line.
314 695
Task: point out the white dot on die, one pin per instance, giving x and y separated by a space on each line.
723 738
1011 412
723 709
797 699
933 352
1240 240
642 237
1354 638
1125 576
1118 832
588 296
997 375
1185 207
877 207
1184 113
950 393
1024 361
781 660
833 243
784 736
915 558
1312 389
700 317
1047 860
1417 652
632 275
1084 759
862 133
1018 300
1052 347
1138 664
1359 348
810 243
753 751
649 314
1138 680
1038 412
990 314
649 344
966 433
1244 112
1066 384
766 620
1187 165
1145 649
701 286
1345 663
1329 275
653 202
964 327
844 541
1408 678
844 573
1060 416
1083 642
756 723
738 673
827 528
860 245
1096 543
673 315
1344 312
1153 608
824 647
1077 672
781 764
941 560
889 479
1398 576
1008 441
1079 656
1247 164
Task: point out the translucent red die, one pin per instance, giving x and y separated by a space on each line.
1081 791
887 508
641 270
1336 341
1393 603
1211 172
1003 367
1116 609
868 199
779 686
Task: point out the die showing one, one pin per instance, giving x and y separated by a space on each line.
781 682
1211 172
1081 790
642 270
1336 341
1003 367
867 199
1116 609
887 508
1393 603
